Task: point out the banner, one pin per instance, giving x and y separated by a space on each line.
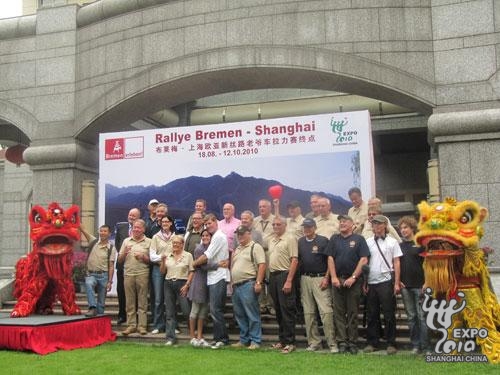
236 163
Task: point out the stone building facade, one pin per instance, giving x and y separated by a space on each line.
69 72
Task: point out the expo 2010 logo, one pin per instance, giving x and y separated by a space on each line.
344 135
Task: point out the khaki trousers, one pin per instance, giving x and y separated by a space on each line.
136 289
313 297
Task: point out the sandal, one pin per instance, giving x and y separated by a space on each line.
288 349
278 346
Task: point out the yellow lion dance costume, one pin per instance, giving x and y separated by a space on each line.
450 232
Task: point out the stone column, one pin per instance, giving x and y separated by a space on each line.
59 162
184 113
468 145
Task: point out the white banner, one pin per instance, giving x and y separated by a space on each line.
236 163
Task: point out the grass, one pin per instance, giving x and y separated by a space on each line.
131 358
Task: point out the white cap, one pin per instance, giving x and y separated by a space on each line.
153 201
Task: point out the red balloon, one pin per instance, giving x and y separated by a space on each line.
275 191
14 154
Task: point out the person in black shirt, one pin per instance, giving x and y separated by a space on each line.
348 252
412 280
315 291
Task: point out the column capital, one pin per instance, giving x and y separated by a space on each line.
61 156
464 126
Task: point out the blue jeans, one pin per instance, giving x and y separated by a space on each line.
247 313
100 280
416 318
157 280
217 294
172 295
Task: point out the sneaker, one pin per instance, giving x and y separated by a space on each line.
203 344
312 348
342 348
353 349
278 346
369 349
415 351
218 344
194 342
177 331
391 350
169 343
238 345
288 349
334 348
155 331
143 331
129 330
254 346
92 312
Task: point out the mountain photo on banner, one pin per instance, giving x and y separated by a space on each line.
180 195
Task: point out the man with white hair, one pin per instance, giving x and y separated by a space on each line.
327 222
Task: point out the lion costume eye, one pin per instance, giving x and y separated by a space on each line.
467 217
37 216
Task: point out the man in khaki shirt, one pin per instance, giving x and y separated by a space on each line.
248 269
295 219
326 222
263 222
359 210
134 253
283 260
100 268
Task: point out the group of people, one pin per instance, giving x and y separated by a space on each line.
321 263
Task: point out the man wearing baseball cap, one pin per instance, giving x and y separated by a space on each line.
248 269
295 219
150 217
315 291
348 252
382 285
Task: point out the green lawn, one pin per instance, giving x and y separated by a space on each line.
131 358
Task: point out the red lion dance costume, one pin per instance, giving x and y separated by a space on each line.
45 274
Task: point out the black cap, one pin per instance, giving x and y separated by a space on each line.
308 223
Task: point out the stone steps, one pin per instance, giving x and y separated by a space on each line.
269 325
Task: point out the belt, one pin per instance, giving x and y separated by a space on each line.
235 285
274 273
310 274
97 272
175 279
